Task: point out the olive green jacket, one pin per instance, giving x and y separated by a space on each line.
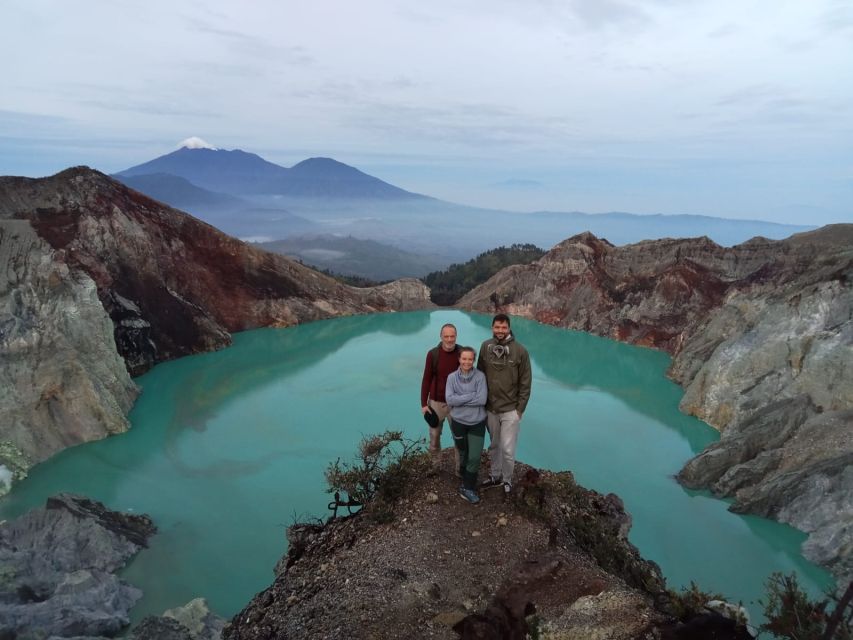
508 374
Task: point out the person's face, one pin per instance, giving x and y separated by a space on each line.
466 361
448 338
500 330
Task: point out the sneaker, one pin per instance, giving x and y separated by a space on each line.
491 483
469 494
507 488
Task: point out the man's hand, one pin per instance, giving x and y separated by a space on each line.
520 413
424 410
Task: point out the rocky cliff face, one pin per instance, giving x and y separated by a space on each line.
172 284
61 380
93 273
440 568
762 341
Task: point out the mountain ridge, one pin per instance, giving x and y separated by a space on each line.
239 172
179 192
343 200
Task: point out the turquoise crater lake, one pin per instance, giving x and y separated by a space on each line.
228 448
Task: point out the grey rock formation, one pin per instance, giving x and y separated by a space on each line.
762 342
198 619
61 380
160 628
193 621
779 385
58 569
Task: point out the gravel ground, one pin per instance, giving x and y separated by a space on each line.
440 561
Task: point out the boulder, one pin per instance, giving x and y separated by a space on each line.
59 565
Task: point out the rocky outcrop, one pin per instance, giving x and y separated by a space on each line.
762 341
58 569
61 380
193 621
93 273
172 284
550 561
441 568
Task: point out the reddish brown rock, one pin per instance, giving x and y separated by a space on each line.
174 285
653 293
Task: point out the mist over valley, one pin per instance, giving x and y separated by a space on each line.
319 205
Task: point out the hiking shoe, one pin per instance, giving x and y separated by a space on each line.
469 494
491 483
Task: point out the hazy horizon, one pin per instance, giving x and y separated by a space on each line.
717 109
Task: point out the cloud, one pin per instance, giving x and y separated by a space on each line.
15 121
570 15
223 71
518 184
419 16
505 84
252 45
767 107
724 31
601 14
352 91
469 124
760 94
400 82
148 107
194 142
838 18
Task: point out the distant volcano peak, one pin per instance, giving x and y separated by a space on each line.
239 173
194 142
324 165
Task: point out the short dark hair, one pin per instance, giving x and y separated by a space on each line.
501 317
471 349
445 326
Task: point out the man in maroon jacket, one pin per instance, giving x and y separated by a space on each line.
441 361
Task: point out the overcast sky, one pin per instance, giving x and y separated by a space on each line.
732 108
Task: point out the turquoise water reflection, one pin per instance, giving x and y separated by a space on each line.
228 448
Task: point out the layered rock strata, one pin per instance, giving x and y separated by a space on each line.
762 341
61 380
59 564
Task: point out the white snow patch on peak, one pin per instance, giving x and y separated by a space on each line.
194 142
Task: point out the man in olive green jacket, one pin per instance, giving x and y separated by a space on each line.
506 364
